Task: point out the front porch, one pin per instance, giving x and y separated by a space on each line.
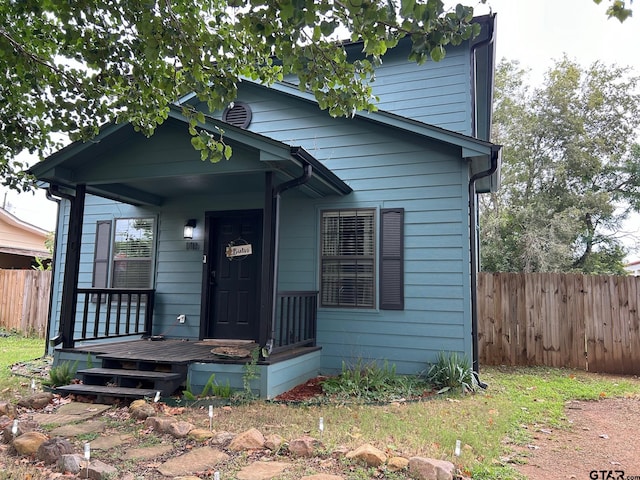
129 367
114 313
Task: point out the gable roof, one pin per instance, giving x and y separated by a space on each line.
470 146
18 237
287 161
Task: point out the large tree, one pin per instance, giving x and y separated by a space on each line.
71 66
571 169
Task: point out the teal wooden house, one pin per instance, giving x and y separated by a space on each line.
321 241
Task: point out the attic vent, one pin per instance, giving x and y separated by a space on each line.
238 115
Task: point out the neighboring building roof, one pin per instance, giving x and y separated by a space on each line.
633 267
18 237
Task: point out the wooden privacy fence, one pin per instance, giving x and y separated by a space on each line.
24 300
590 322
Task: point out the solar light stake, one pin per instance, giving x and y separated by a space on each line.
457 451
14 428
87 455
216 475
157 397
321 425
33 385
210 417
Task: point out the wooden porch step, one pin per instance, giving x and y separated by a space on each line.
106 391
124 373
166 382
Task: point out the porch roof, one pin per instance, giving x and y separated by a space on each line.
123 165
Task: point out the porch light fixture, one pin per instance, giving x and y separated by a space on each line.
188 228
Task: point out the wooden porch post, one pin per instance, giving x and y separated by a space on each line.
268 258
71 267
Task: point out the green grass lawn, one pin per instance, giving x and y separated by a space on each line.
14 349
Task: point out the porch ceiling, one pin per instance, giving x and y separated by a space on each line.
123 165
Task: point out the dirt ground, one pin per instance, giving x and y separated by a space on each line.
604 437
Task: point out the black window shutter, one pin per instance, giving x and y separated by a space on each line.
101 254
392 259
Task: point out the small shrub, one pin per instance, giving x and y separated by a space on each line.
452 371
251 371
62 374
222 391
370 382
211 388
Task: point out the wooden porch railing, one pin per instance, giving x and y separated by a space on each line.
114 312
295 321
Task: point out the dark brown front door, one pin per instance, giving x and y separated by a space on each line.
232 274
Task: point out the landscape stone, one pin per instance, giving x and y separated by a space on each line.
24 426
200 434
110 441
51 450
249 440
71 463
262 470
180 429
5 422
82 410
71 413
422 468
340 451
160 424
7 408
322 476
395 464
196 460
368 454
76 429
145 453
28 443
36 401
100 471
273 442
222 438
303 446
141 409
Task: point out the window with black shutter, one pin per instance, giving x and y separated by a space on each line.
348 258
392 259
126 260
132 253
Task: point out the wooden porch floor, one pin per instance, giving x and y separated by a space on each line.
179 351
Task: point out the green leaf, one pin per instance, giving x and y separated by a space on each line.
406 7
437 53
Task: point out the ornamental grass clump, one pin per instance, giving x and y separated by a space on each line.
452 372
370 382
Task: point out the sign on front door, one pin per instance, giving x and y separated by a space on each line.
238 250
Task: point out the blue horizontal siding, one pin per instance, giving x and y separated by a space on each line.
386 168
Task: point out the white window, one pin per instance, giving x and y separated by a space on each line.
132 253
128 261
